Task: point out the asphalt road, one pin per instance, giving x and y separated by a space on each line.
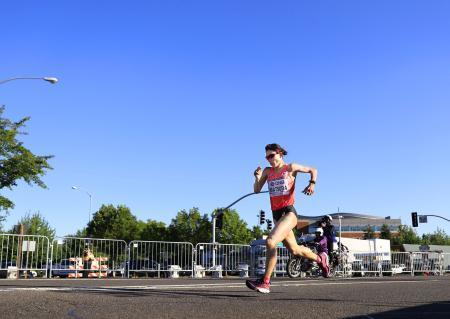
370 298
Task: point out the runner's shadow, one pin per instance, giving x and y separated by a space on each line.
432 310
150 292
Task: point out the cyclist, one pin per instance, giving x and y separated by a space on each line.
280 178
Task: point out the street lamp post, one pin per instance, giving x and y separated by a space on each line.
340 244
51 80
90 198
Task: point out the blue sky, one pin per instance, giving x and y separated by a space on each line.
166 105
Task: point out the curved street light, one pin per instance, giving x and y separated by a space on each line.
90 198
51 80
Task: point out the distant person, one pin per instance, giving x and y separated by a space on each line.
328 231
320 241
280 178
88 258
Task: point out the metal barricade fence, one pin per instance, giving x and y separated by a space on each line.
258 260
160 259
217 258
401 263
282 259
446 262
429 263
374 263
74 257
23 255
342 266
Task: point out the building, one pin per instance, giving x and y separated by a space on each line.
352 225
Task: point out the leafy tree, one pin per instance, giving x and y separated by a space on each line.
439 237
257 232
190 226
234 229
369 233
36 224
406 235
114 223
16 161
154 231
385 232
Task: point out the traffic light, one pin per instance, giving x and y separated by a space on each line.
415 223
269 225
219 220
262 217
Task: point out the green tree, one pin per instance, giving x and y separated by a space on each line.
16 161
154 231
114 223
406 235
36 224
439 237
385 232
234 230
257 232
190 226
369 233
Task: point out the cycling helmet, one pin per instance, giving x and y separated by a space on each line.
319 230
327 218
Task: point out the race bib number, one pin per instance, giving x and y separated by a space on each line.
279 187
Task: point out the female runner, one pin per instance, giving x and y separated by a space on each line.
280 178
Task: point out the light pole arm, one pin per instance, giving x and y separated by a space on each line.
48 79
437 217
222 210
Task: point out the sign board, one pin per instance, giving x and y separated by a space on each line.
29 245
423 219
135 245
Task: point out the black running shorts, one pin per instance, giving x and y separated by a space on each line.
277 214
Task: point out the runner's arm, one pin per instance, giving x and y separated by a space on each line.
260 180
295 168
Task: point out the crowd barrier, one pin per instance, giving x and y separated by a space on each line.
427 263
446 262
258 260
29 256
23 256
219 259
88 257
160 259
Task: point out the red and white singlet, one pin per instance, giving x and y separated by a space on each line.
281 188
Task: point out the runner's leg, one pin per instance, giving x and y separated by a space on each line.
282 229
291 243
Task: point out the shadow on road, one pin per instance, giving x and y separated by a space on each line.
217 294
432 310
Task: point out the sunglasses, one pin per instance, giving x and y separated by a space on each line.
270 156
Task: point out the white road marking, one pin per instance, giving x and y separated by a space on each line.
204 286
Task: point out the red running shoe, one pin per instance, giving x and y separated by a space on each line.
259 285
